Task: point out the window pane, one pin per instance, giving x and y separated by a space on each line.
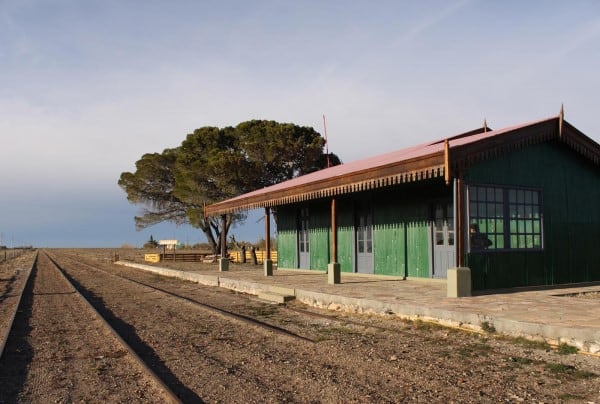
499 210
481 209
482 226
529 238
481 194
512 196
490 194
491 226
491 210
499 197
473 209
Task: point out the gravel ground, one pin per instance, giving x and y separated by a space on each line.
60 352
379 359
205 357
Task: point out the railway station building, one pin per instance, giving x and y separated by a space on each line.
519 206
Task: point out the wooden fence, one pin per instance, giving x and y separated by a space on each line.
234 256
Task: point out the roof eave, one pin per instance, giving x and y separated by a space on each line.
429 166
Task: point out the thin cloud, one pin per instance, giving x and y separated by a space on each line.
430 21
583 35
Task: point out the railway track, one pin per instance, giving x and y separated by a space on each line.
329 317
122 300
13 278
212 345
236 316
61 349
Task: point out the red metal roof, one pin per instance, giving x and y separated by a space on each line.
410 164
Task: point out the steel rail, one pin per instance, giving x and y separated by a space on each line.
169 394
16 308
225 313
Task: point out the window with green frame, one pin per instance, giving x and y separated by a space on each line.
510 218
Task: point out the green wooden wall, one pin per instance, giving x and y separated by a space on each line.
401 230
571 219
345 235
320 233
287 238
401 236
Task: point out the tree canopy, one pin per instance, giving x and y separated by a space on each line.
213 164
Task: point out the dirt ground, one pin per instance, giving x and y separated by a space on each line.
341 357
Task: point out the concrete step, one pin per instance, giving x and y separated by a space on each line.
275 297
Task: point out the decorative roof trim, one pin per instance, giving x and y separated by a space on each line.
280 198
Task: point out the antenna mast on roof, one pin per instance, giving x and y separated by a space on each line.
326 141
561 119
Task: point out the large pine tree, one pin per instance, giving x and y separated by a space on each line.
214 164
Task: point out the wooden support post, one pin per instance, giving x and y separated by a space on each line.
460 233
447 161
268 264
268 232
334 243
333 269
223 261
223 236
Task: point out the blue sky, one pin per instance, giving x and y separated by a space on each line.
88 87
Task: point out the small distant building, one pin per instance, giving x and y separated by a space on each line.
519 206
168 244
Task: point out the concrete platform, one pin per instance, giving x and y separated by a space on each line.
555 315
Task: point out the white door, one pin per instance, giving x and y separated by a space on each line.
444 249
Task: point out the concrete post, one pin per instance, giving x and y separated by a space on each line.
223 265
333 273
268 265
459 282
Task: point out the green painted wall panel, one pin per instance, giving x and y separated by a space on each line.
401 236
345 235
417 235
287 238
389 240
570 188
320 232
